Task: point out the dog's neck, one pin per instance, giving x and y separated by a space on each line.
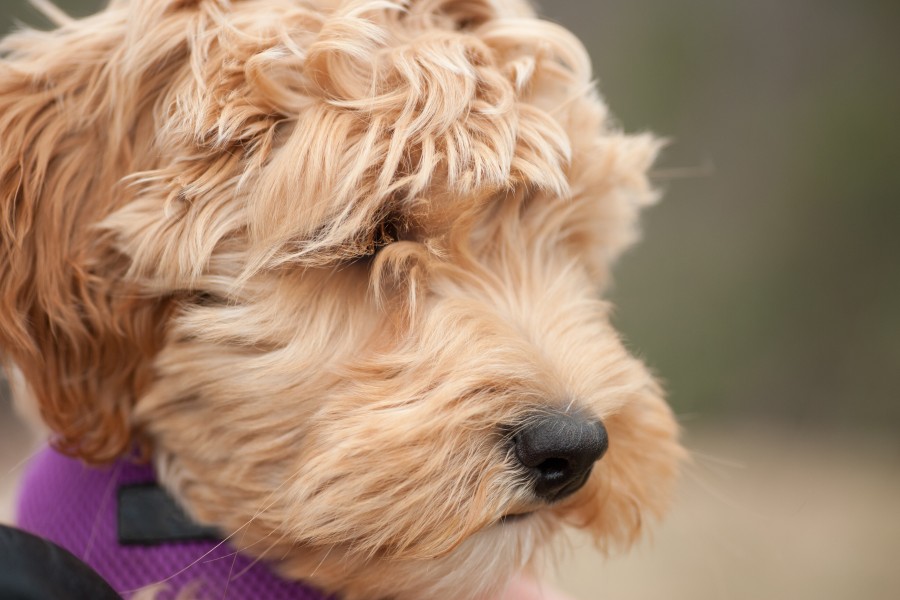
119 522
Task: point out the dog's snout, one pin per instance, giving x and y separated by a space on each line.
559 451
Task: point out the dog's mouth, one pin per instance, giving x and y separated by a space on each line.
514 517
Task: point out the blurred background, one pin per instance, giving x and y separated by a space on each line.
766 293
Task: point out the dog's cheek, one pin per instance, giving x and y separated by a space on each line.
422 500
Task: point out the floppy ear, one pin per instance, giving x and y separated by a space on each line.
81 336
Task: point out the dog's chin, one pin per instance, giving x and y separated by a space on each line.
478 569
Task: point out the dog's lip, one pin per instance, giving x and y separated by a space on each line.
515 517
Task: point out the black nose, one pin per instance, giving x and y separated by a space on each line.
559 451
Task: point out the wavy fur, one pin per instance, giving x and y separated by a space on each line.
315 256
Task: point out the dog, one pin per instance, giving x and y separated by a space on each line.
337 268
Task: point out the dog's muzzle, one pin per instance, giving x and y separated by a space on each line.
559 450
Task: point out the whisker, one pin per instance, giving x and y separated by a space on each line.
234 533
228 579
26 459
705 169
718 495
54 13
260 557
717 460
107 495
321 562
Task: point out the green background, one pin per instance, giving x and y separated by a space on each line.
768 283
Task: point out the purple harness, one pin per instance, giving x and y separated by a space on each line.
75 506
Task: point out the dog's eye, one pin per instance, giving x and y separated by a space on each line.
387 232
207 299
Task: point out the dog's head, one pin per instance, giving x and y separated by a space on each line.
340 268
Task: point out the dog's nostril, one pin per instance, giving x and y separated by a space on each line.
559 451
553 468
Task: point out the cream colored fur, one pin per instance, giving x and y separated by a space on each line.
318 257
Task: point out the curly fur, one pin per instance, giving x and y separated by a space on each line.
317 257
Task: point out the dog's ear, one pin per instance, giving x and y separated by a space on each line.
80 336
610 183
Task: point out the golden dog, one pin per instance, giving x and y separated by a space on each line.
337 267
